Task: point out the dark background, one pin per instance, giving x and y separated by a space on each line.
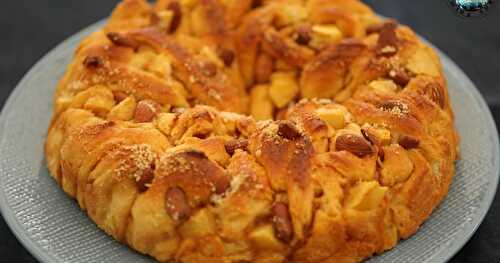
30 28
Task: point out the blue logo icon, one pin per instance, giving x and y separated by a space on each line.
471 8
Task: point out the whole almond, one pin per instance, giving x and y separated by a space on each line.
226 55
144 180
409 142
122 40
208 69
288 131
235 144
146 111
257 3
435 93
369 135
154 19
175 7
303 35
92 62
374 29
176 204
400 77
350 48
282 222
221 183
387 45
354 144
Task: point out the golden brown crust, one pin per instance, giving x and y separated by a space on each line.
349 147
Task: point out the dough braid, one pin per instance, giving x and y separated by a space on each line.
253 131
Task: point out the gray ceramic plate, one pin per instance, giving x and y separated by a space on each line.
53 229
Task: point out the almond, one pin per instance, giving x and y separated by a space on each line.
92 62
303 35
387 45
221 183
208 69
154 19
235 144
119 96
176 204
409 142
146 111
175 7
377 136
400 77
144 181
122 40
434 92
226 55
374 29
354 144
371 136
282 222
257 3
288 131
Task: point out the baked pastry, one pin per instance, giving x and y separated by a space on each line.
253 131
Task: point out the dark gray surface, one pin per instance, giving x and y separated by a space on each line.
31 28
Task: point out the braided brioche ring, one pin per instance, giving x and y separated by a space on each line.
149 133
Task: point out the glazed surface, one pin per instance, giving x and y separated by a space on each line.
235 131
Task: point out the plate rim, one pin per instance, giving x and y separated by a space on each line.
493 185
14 225
443 256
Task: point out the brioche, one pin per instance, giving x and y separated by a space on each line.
253 131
